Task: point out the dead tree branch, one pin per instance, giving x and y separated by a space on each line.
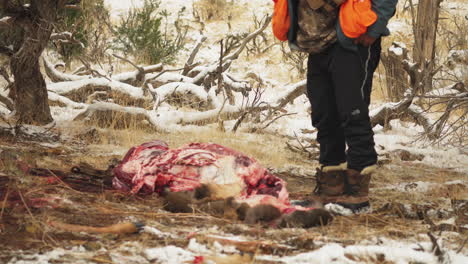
7 102
189 63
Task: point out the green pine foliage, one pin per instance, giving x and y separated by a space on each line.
146 34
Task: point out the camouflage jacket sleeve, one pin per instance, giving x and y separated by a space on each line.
385 9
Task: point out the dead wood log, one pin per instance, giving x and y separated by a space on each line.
234 85
225 112
80 90
160 78
119 117
406 108
229 112
389 111
182 94
292 93
165 77
64 101
131 78
56 76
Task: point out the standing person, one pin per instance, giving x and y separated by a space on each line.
339 84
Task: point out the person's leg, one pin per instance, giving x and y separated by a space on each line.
330 182
372 64
352 78
350 74
325 116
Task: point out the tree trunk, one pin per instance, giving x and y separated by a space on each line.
30 91
425 31
396 76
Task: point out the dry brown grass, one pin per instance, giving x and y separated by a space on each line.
31 230
269 150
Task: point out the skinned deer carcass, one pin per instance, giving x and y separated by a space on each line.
153 167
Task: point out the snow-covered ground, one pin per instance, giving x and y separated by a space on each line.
378 250
403 135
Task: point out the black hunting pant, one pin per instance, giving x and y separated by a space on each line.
339 84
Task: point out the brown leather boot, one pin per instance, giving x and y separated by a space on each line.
357 189
330 183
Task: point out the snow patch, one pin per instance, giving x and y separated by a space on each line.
198 248
396 50
157 232
43 258
338 209
169 255
391 251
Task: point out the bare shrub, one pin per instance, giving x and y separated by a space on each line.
207 10
295 60
84 32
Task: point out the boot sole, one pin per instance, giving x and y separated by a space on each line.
356 208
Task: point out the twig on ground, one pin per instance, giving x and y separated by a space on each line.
436 248
462 246
276 118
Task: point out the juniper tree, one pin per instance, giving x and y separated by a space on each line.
25 30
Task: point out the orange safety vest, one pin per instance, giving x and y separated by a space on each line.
356 16
280 20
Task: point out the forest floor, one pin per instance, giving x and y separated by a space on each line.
411 202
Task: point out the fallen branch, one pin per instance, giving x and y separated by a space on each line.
196 49
112 115
54 97
436 248
122 228
64 88
126 77
65 37
10 105
164 78
387 112
276 119
292 93
187 94
130 77
237 86
56 76
139 76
